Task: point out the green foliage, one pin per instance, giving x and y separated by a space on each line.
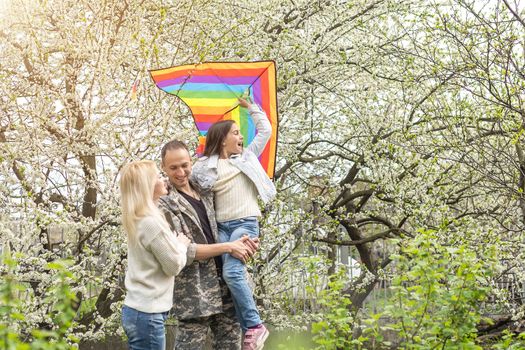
333 330
14 330
9 307
510 341
437 294
435 301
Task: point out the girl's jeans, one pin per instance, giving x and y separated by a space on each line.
144 331
234 271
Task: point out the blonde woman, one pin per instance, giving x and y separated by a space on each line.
155 256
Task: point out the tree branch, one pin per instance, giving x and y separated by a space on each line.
372 238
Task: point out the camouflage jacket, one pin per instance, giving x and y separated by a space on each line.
197 291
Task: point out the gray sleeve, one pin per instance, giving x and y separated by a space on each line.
195 171
190 253
264 130
198 176
169 252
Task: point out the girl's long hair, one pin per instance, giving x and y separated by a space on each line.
137 184
215 137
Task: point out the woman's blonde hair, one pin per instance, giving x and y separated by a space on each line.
137 185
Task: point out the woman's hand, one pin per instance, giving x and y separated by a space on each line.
183 239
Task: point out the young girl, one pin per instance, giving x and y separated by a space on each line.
236 177
155 256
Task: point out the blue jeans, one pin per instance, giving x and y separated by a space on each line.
234 271
144 331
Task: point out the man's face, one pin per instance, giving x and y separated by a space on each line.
177 166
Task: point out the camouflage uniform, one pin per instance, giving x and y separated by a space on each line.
201 299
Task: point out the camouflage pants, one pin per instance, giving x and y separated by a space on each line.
225 333
223 329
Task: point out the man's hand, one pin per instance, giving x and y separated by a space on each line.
244 248
253 243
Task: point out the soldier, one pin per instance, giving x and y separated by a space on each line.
201 299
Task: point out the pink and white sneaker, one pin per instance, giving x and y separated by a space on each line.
255 337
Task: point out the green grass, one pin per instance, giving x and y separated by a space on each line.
288 340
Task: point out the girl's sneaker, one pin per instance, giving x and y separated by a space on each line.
255 337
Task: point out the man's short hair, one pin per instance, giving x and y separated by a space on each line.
172 145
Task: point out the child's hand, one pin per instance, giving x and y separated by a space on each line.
244 103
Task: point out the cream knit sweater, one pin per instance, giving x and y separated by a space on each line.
235 193
153 262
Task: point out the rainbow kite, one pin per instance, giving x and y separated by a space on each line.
211 91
